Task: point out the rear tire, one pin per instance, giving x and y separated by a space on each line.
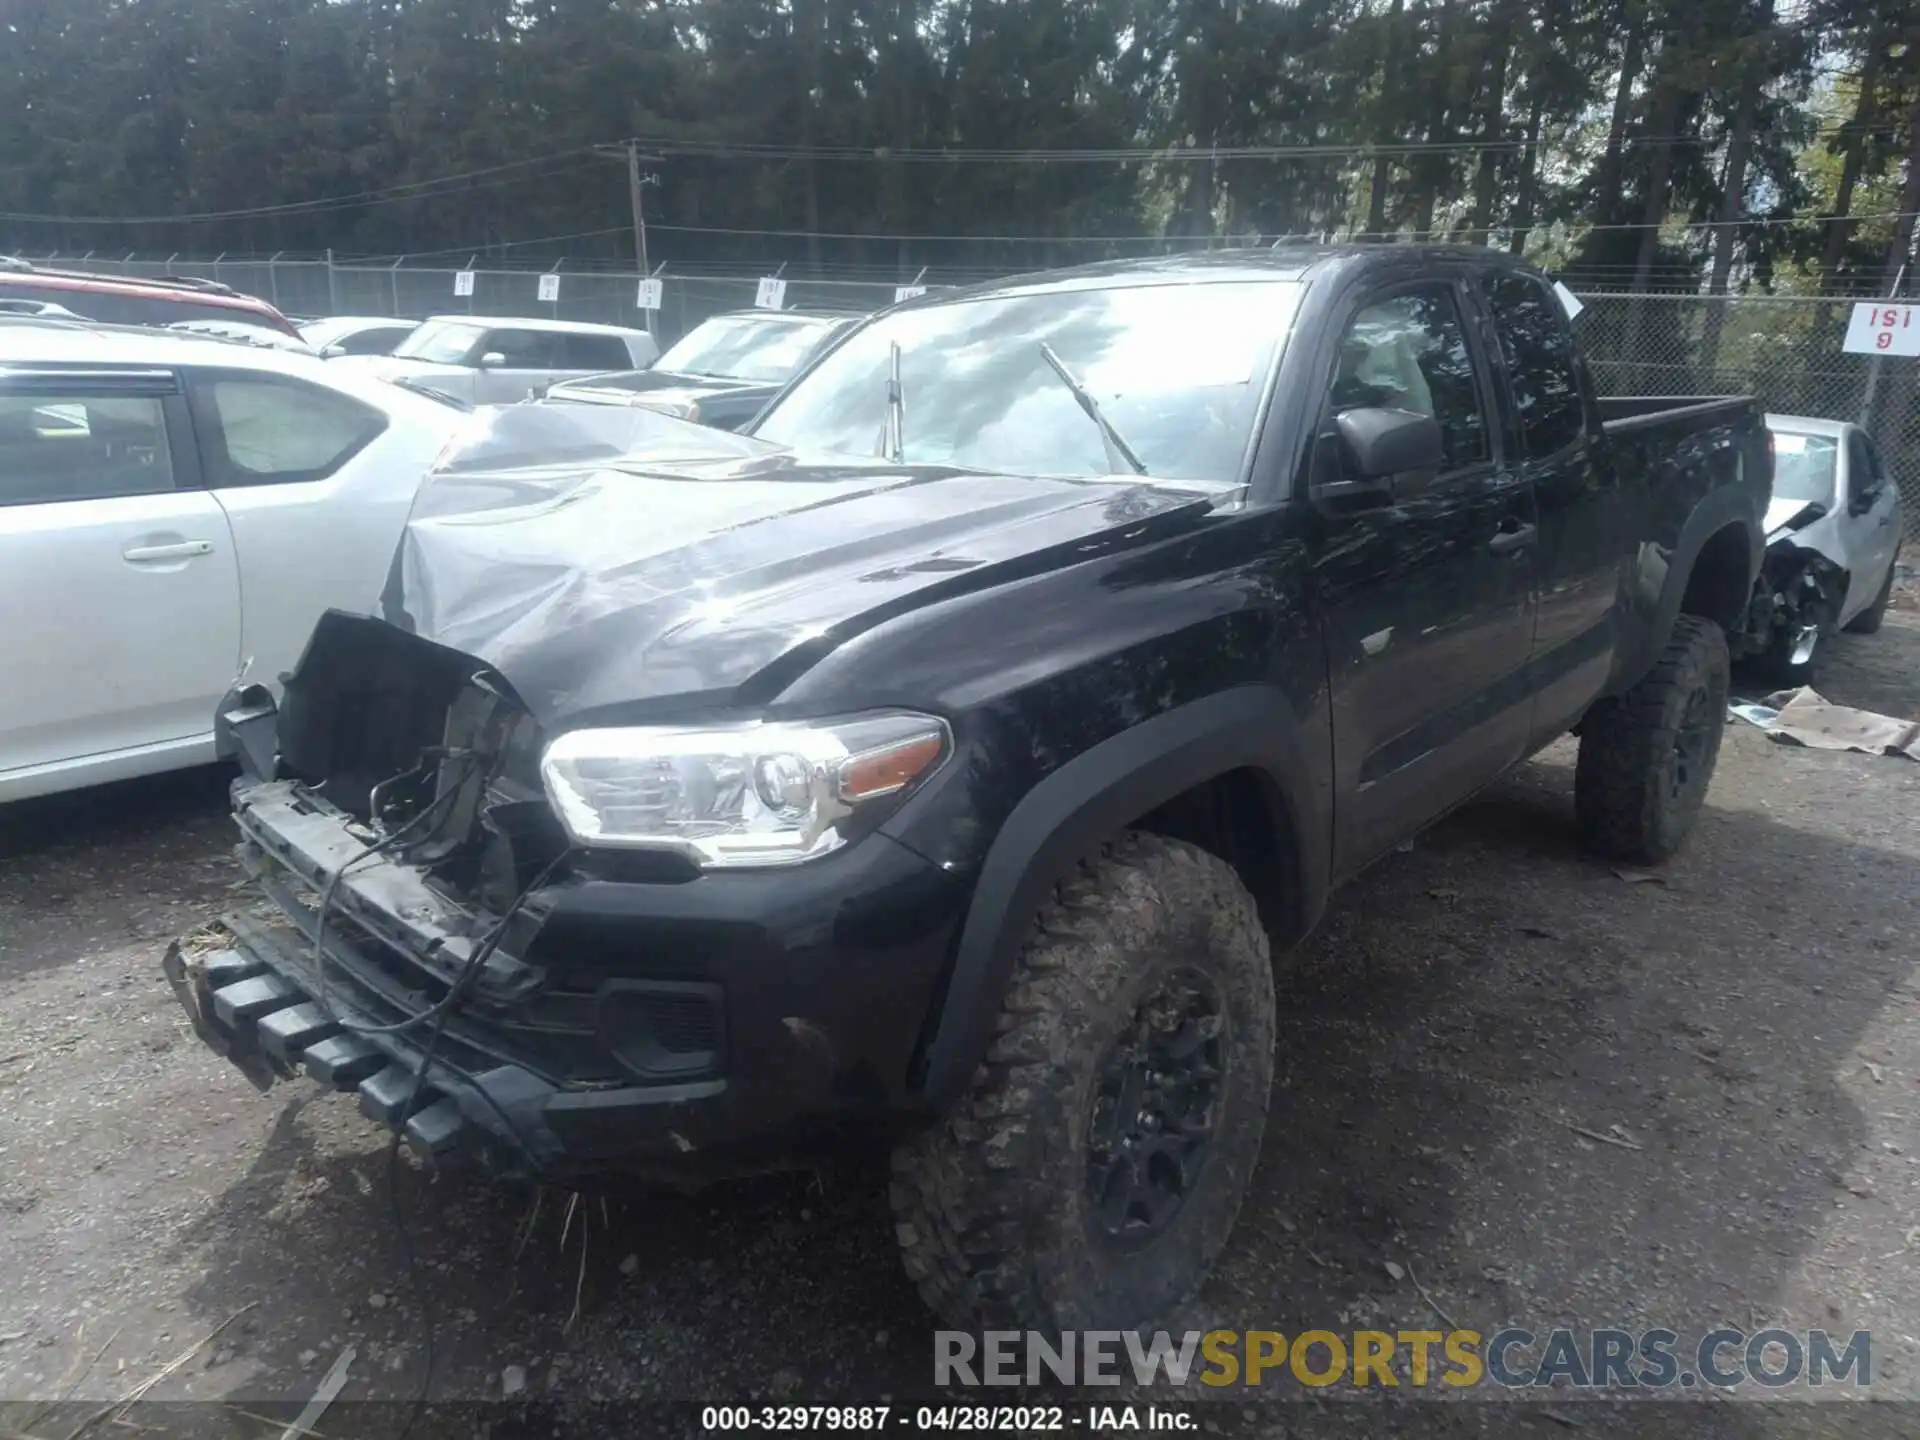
1093 1170
1868 620
1647 757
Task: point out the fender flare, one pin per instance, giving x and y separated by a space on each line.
1717 510
1095 795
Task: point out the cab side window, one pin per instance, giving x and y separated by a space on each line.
596 352
1409 352
526 349
1542 372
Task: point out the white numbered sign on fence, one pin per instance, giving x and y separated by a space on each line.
907 292
549 287
649 296
1882 329
772 294
463 282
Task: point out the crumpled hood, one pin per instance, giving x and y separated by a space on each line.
1779 511
601 557
656 390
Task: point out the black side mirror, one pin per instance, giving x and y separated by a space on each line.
1382 443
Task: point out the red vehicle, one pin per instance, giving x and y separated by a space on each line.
120 300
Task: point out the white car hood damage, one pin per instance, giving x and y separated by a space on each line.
1822 536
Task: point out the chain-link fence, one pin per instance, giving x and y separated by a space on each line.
312 288
1784 350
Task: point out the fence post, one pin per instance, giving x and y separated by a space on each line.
1873 365
393 281
273 276
333 295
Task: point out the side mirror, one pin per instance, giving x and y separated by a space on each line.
492 360
1382 444
333 352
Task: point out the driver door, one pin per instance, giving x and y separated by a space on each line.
1427 596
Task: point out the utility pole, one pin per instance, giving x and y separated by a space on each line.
639 209
636 183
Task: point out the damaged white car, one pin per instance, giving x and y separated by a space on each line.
1833 534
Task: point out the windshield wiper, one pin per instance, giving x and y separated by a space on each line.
894 436
1117 448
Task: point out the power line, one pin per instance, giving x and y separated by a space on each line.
1182 154
435 188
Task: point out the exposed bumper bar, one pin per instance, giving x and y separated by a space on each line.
256 1002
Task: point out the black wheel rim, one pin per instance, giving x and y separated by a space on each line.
1693 743
1154 1109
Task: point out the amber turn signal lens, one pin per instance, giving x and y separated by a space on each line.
881 772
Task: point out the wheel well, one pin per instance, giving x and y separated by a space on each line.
1241 817
1718 588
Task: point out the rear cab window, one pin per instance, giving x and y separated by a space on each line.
260 429
59 444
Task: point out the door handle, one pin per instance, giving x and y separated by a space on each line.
1505 542
180 550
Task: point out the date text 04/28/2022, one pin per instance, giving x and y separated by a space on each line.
1010 1419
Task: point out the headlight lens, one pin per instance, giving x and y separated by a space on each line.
747 795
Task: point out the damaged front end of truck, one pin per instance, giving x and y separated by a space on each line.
390 808
439 941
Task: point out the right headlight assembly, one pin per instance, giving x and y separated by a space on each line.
774 793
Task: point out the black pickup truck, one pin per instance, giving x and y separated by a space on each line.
942 765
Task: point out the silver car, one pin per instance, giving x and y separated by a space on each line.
1833 533
492 360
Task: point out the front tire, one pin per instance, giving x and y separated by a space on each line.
1647 757
1093 1170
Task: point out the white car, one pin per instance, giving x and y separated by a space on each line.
177 512
482 360
356 334
1833 534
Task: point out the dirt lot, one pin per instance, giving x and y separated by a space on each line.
1751 1022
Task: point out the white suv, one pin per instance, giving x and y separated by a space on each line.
176 511
483 360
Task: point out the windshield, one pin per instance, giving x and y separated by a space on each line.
1803 466
744 347
440 342
1177 370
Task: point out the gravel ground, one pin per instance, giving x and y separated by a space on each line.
1750 1021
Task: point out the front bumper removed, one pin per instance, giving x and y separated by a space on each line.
252 998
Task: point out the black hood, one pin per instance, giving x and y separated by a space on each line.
601 559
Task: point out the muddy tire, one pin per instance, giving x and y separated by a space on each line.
1647 757
1091 1173
1867 622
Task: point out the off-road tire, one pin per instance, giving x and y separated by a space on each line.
991 1204
1867 622
1633 798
